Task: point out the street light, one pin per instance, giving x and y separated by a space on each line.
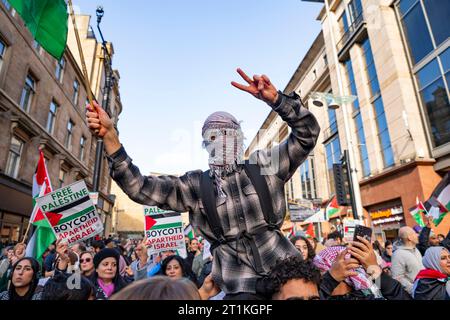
100 13
344 105
335 102
109 78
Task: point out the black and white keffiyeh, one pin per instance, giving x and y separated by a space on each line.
224 141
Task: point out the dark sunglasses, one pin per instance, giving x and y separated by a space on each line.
85 260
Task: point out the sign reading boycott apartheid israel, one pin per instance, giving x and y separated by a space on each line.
164 231
71 213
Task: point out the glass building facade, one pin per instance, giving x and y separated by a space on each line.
426 26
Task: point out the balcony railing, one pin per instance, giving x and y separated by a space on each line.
352 30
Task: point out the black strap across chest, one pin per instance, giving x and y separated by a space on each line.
208 197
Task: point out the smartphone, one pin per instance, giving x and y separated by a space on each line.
363 232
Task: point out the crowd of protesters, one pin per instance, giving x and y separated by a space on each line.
415 266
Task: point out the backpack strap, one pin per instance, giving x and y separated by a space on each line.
209 202
259 182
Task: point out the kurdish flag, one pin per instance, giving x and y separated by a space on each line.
43 234
417 211
438 206
47 21
333 209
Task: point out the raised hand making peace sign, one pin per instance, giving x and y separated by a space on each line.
260 87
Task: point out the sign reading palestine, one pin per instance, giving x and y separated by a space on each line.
71 213
164 231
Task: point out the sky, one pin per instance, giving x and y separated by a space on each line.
177 58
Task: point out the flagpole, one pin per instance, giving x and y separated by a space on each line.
30 222
80 50
26 232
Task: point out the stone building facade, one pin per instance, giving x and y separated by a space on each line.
42 106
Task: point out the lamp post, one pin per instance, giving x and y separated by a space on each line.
348 137
322 99
109 78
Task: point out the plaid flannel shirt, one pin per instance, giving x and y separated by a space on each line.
233 263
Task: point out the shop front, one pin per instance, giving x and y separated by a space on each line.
15 209
386 222
387 197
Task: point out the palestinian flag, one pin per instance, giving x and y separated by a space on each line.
43 235
291 232
163 221
47 20
189 231
438 206
333 209
417 211
310 233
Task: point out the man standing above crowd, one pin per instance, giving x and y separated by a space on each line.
224 203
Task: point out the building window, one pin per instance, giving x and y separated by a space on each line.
383 132
37 46
6 4
426 26
364 156
351 83
59 73
15 152
76 92
343 23
435 99
51 117
416 29
62 178
82 147
355 10
68 142
2 53
27 93
308 179
438 13
333 152
414 16
370 68
332 121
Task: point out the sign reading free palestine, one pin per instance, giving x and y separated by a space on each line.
71 213
164 231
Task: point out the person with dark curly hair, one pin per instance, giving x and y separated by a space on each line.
304 246
295 279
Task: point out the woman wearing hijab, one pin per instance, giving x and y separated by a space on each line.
24 281
107 279
432 283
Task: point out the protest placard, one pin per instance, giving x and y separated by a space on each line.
71 213
164 231
206 250
349 228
